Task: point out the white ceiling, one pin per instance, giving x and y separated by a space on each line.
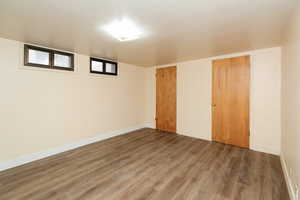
175 30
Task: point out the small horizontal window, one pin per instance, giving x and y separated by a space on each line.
100 66
36 56
110 67
63 60
97 66
48 58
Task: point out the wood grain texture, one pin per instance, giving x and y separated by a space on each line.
148 164
230 101
166 99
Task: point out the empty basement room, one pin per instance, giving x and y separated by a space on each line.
150 100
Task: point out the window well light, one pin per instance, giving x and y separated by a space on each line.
123 30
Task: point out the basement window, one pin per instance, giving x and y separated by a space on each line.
100 66
48 58
62 60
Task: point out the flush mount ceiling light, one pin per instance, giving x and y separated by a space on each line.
123 30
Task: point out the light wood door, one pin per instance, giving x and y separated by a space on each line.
166 99
230 101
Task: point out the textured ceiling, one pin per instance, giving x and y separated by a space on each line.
174 30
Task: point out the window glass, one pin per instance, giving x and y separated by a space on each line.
38 57
62 61
97 66
110 68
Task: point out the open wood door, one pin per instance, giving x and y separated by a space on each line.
166 99
230 101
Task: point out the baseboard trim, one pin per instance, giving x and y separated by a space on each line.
4 165
264 149
150 125
288 179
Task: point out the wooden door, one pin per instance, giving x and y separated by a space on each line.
230 101
166 99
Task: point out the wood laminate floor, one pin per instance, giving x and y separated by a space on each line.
147 164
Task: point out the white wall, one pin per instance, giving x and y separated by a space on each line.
194 98
150 97
265 97
291 101
42 109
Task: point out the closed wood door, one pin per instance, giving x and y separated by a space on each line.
230 101
166 99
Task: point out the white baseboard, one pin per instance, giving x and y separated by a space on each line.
264 149
201 137
288 179
4 165
150 125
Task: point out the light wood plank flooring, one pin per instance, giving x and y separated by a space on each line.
148 164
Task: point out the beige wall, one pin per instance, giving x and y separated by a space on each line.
291 99
194 98
42 109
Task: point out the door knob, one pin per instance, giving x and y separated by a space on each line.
213 105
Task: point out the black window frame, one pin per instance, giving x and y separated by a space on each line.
51 52
104 66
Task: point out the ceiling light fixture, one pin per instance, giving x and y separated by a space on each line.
123 30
